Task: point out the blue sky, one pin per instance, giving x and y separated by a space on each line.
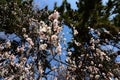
50 3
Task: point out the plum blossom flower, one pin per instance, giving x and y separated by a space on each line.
68 59
53 16
75 32
55 28
55 22
92 40
30 41
49 31
43 47
69 53
106 31
59 29
54 37
44 29
97 77
20 49
55 78
42 35
11 78
54 67
59 49
8 44
1 47
42 23
98 32
24 30
77 43
25 36
40 70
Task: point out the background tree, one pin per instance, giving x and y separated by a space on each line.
92 26
116 13
14 14
93 14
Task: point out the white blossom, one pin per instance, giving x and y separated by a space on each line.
23 29
54 37
42 46
59 49
30 41
8 44
53 16
75 32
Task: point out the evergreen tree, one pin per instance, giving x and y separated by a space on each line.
94 28
14 15
116 12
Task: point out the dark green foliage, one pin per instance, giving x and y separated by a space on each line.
14 15
91 13
116 12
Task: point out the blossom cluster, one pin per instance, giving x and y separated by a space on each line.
39 45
